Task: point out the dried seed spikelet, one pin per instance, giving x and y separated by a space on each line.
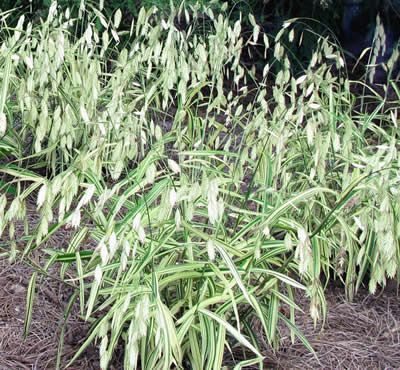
142 235
113 244
336 142
303 251
127 302
3 124
3 203
211 250
117 18
12 210
19 28
137 329
215 206
133 355
136 222
302 235
102 249
221 208
56 185
116 171
257 251
41 198
104 328
28 59
126 246
291 35
20 209
15 58
104 354
61 209
88 36
172 197
136 225
314 106
142 313
314 311
98 274
194 192
151 173
386 238
52 11
42 230
84 114
178 219
87 196
288 242
115 35
175 168
301 79
103 198
267 231
75 219
158 133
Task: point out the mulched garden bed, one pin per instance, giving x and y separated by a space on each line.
364 334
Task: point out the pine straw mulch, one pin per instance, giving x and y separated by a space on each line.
364 334
39 349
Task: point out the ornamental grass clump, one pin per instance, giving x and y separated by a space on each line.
199 194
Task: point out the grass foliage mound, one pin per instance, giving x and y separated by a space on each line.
199 192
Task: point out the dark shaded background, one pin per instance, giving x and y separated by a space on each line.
349 22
